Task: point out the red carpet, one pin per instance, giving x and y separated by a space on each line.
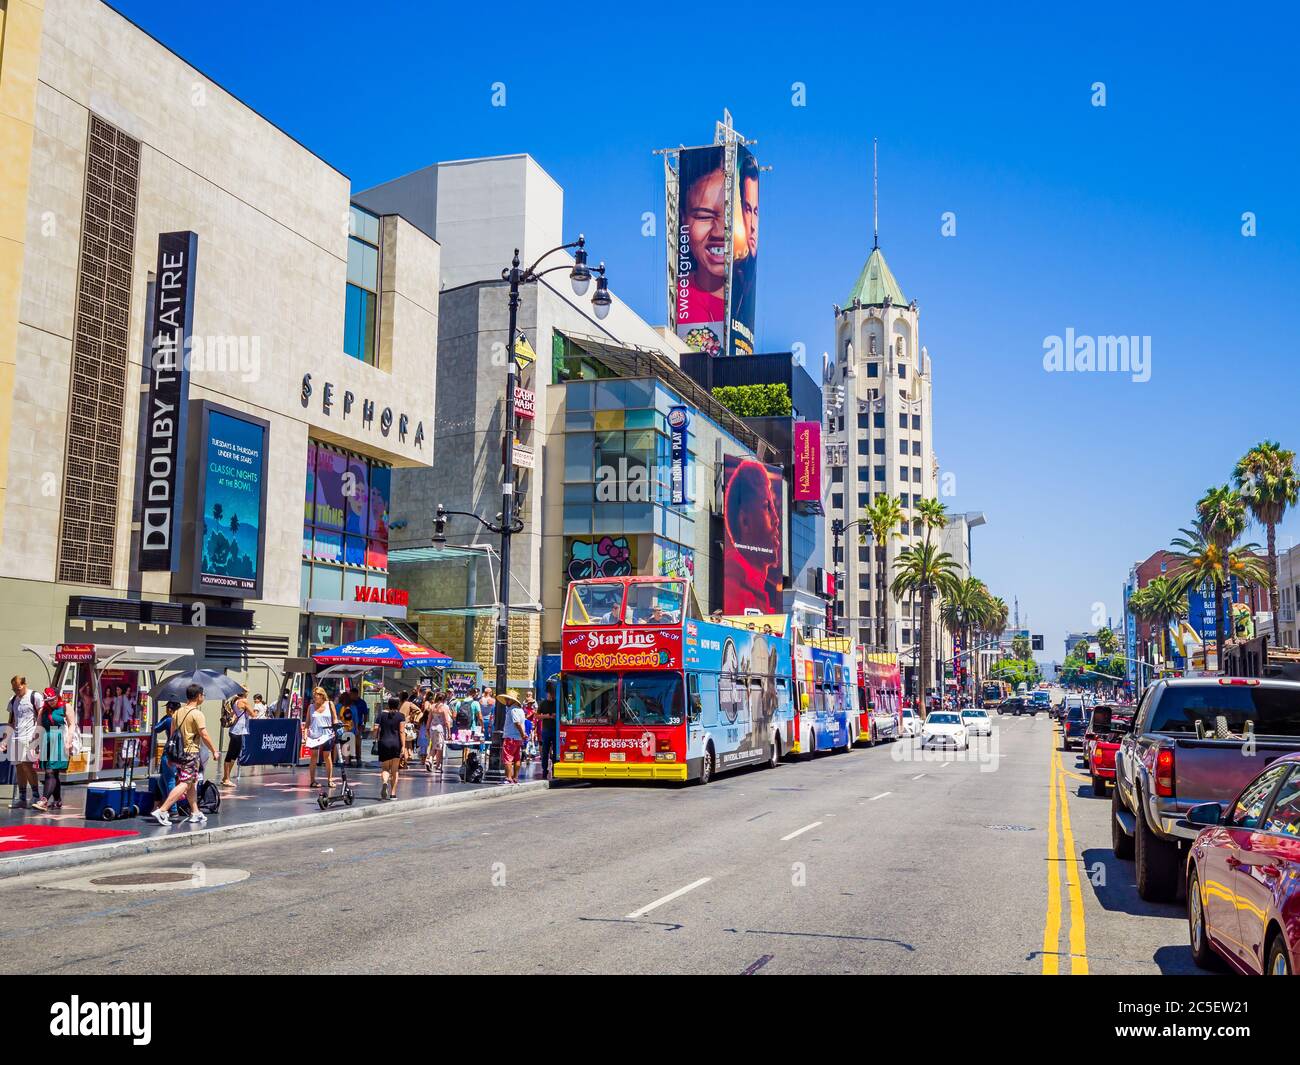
25 837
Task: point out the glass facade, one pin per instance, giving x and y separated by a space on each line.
362 294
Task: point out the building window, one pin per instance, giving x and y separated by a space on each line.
864 553
878 445
873 369
864 608
916 448
902 421
837 502
916 473
902 473
878 473
916 421
863 473
902 369
878 419
362 302
864 581
864 421
863 499
837 474
902 447
863 445
907 635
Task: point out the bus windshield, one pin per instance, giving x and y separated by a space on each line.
594 604
628 699
654 603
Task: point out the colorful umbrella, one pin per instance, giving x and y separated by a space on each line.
382 651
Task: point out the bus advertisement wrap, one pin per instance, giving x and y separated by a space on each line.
752 558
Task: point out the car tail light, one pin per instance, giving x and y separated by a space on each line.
665 745
1165 773
1249 682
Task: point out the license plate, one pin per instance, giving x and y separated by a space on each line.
617 756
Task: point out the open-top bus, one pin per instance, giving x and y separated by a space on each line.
650 690
824 672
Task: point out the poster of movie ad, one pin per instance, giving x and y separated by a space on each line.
232 499
752 558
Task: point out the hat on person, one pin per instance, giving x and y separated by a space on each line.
52 698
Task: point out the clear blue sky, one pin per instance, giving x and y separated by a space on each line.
1117 220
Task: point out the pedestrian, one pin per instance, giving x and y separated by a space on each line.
546 718
513 744
166 771
193 728
530 728
410 716
388 733
320 736
54 750
238 730
488 711
259 707
24 709
439 723
360 715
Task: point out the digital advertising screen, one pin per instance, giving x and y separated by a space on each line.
752 559
231 504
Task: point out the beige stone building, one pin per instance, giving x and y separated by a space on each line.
313 328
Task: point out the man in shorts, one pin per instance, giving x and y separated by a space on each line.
194 731
513 744
24 713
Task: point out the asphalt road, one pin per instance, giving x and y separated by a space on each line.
880 861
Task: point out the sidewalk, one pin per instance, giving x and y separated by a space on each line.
265 804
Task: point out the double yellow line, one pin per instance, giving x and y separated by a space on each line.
1060 835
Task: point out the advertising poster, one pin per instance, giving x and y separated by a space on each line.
381 493
606 556
678 425
807 462
330 469
309 499
752 559
744 270
674 560
232 503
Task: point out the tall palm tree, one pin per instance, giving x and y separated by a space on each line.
922 568
1200 560
1266 476
961 609
933 515
1220 519
884 515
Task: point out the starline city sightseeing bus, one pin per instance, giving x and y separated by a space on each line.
650 690
825 675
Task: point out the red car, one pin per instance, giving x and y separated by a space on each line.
1243 875
1106 728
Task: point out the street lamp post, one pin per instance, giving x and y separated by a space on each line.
507 523
838 529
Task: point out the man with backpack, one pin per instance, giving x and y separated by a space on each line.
188 731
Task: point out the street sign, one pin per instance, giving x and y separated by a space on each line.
525 402
523 456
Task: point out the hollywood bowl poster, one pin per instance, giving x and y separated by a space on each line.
752 560
232 498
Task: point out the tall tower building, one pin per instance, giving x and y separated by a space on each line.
880 441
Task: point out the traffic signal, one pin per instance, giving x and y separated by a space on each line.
1035 643
1092 658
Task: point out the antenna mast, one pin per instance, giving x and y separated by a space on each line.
875 195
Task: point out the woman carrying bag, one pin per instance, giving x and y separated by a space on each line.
54 750
320 736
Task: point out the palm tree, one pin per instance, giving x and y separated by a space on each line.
922 568
1200 560
934 515
962 608
1220 519
883 516
1266 476
1159 602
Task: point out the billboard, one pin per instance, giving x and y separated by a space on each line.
752 558
230 518
807 462
713 242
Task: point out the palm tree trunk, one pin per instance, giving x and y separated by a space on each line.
1218 624
923 670
1272 583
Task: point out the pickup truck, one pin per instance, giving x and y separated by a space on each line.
1194 740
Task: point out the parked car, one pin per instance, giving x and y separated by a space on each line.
1242 902
1106 728
1013 704
911 722
1072 727
1194 741
977 722
943 728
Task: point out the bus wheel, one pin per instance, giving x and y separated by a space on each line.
706 765
774 755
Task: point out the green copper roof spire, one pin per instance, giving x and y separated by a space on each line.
875 283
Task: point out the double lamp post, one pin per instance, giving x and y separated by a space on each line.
507 521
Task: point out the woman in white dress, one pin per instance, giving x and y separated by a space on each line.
320 735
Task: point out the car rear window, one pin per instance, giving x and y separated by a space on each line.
1227 708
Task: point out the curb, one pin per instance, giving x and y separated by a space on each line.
106 852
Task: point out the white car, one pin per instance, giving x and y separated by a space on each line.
943 728
911 722
977 722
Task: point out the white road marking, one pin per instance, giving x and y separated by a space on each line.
880 796
668 898
944 765
918 776
800 831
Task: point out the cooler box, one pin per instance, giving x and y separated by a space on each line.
105 800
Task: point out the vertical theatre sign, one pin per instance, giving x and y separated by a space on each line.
808 466
678 424
164 421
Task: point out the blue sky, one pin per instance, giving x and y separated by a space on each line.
1117 220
